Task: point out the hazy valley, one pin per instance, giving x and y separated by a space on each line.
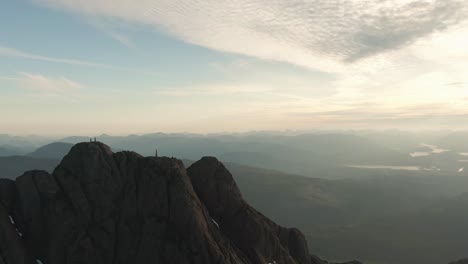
401 209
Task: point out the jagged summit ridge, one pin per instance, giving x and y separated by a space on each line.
116 208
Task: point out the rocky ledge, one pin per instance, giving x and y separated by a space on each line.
100 207
462 261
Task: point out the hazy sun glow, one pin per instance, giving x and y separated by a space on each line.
93 66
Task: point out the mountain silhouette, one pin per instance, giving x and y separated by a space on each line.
56 150
104 207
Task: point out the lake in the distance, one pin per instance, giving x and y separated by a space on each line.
407 168
433 150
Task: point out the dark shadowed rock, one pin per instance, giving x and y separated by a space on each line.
253 233
258 237
12 247
462 261
98 207
7 194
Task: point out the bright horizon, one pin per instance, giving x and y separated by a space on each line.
87 67
291 132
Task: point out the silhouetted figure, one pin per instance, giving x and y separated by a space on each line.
156 154
95 139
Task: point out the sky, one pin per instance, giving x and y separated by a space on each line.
139 66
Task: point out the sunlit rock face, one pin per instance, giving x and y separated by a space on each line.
116 208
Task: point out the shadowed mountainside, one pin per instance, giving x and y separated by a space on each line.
340 218
101 207
9 151
56 150
400 220
11 167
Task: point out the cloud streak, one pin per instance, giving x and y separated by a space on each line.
6 78
114 34
39 84
12 52
42 83
324 34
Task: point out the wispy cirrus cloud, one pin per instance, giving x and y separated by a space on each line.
374 116
123 39
42 83
12 52
111 32
319 34
6 78
216 90
390 63
50 84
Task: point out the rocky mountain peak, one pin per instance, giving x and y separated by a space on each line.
116 208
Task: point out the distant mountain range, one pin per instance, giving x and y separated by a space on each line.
56 150
9 151
345 213
12 166
338 212
311 154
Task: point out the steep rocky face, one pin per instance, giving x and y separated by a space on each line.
100 207
262 240
462 261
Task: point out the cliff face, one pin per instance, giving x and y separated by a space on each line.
462 261
105 208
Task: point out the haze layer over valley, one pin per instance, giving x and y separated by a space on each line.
355 195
